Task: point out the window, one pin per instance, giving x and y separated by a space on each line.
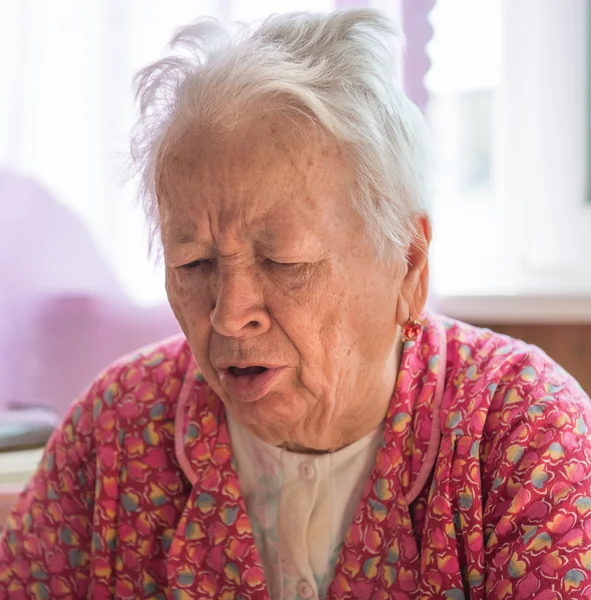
75 270
508 107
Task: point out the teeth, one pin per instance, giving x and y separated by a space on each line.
246 371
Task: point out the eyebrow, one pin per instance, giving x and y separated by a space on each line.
187 239
182 238
267 237
180 234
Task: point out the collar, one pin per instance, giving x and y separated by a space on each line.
412 428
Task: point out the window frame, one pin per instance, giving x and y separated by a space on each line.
537 237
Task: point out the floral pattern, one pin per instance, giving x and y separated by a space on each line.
481 488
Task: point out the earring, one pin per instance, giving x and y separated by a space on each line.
411 330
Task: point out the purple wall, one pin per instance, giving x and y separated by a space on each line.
418 30
351 3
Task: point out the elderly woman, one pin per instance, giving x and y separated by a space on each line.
315 433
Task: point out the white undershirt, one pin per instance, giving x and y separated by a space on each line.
300 507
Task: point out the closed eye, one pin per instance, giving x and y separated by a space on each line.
195 264
293 272
275 263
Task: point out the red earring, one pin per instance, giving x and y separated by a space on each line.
412 330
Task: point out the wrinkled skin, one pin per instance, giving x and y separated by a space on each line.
266 261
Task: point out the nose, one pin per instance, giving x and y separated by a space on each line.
239 310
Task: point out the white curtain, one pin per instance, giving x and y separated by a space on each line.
66 107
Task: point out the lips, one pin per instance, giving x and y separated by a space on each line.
247 383
241 371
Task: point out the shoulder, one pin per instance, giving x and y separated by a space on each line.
141 386
128 408
494 382
476 349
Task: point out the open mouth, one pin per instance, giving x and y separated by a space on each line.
238 372
248 383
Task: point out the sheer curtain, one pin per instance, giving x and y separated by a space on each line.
67 108
77 289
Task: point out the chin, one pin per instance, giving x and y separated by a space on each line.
273 409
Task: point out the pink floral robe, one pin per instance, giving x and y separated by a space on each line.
481 487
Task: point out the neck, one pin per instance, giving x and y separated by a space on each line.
329 427
296 448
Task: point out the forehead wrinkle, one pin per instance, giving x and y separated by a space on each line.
267 237
227 185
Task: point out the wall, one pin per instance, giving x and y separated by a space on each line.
569 345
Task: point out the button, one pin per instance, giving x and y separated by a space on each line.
307 470
305 590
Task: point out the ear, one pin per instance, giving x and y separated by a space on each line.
415 285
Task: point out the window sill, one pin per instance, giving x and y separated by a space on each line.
515 309
16 468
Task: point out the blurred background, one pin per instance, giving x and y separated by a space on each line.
504 84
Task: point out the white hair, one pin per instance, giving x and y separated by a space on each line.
339 69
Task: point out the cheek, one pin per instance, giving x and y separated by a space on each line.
374 314
363 318
314 322
190 303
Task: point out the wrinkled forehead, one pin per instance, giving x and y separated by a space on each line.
263 160
265 138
